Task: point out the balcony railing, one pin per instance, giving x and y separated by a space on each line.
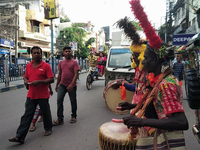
35 29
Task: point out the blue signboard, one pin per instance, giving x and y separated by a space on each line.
114 51
7 43
4 51
182 39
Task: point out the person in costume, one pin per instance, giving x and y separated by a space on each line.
163 94
137 48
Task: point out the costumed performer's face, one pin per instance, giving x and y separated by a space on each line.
150 60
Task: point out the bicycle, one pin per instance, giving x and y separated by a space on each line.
93 71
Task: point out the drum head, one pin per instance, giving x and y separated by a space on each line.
115 131
113 98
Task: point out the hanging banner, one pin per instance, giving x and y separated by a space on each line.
51 9
74 45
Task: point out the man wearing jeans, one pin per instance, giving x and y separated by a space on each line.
66 82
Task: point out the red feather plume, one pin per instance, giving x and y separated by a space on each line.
138 11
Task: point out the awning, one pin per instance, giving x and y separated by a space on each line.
182 48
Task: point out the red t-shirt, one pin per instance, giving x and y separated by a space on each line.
68 68
42 72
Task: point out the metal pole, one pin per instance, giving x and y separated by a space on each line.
6 71
16 32
52 52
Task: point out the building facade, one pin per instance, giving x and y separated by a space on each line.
31 29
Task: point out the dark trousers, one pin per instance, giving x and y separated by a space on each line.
26 119
62 90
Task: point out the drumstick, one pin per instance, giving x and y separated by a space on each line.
119 108
118 120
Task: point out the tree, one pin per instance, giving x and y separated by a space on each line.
64 19
137 25
74 34
71 34
161 32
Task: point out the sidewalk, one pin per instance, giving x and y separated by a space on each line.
19 84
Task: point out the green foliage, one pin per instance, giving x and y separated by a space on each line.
75 34
78 25
65 19
137 25
89 42
161 32
105 49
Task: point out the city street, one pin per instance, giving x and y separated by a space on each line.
82 135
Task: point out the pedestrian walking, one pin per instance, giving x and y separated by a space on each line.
66 83
179 70
38 76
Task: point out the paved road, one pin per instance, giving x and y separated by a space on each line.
83 135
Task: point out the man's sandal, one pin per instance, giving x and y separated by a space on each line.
73 120
32 129
47 133
55 123
16 139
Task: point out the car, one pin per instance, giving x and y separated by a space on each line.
118 65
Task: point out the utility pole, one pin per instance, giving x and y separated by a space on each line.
16 31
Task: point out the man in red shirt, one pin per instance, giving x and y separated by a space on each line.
37 78
66 82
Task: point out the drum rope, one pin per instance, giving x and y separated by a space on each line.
134 130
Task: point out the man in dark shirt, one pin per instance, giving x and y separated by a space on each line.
178 68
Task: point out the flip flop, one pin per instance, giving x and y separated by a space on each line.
57 123
40 120
32 129
47 133
16 139
73 120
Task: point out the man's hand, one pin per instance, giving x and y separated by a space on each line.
51 93
117 85
125 106
56 88
35 83
132 121
69 88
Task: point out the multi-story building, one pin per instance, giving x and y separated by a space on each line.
186 23
31 27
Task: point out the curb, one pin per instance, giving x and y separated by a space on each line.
19 86
11 87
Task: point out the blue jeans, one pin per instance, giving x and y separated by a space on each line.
62 90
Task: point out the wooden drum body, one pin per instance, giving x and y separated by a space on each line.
114 136
113 97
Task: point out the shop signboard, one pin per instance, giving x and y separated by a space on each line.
7 43
182 39
4 51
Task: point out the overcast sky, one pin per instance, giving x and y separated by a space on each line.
107 12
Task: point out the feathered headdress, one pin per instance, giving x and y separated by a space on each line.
153 39
138 45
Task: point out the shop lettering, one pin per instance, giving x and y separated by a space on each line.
181 39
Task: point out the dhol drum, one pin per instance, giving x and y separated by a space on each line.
114 136
113 97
